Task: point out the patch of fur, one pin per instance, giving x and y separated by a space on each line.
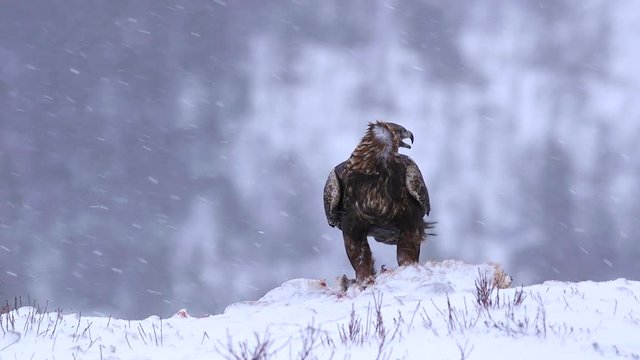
501 279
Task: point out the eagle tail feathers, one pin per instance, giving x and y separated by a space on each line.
428 228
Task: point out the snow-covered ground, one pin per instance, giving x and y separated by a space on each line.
429 311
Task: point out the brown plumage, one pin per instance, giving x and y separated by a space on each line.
378 192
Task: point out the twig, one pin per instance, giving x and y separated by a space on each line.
414 314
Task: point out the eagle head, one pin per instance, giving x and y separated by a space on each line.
380 143
390 135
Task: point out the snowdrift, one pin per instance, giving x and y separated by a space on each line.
447 310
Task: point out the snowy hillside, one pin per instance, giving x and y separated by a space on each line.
443 310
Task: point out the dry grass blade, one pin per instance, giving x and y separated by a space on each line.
380 328
484 290
353 332
519 296
246 351
484 294
310 338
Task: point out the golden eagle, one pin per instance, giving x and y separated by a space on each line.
380 193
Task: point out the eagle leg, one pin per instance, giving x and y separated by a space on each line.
359 255
408 248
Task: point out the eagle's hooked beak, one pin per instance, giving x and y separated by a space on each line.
406 134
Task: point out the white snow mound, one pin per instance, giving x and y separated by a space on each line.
433 311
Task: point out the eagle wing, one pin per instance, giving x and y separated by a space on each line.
333 196
415 184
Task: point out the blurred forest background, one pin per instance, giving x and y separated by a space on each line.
158 154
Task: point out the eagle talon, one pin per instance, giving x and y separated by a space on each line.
366 282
